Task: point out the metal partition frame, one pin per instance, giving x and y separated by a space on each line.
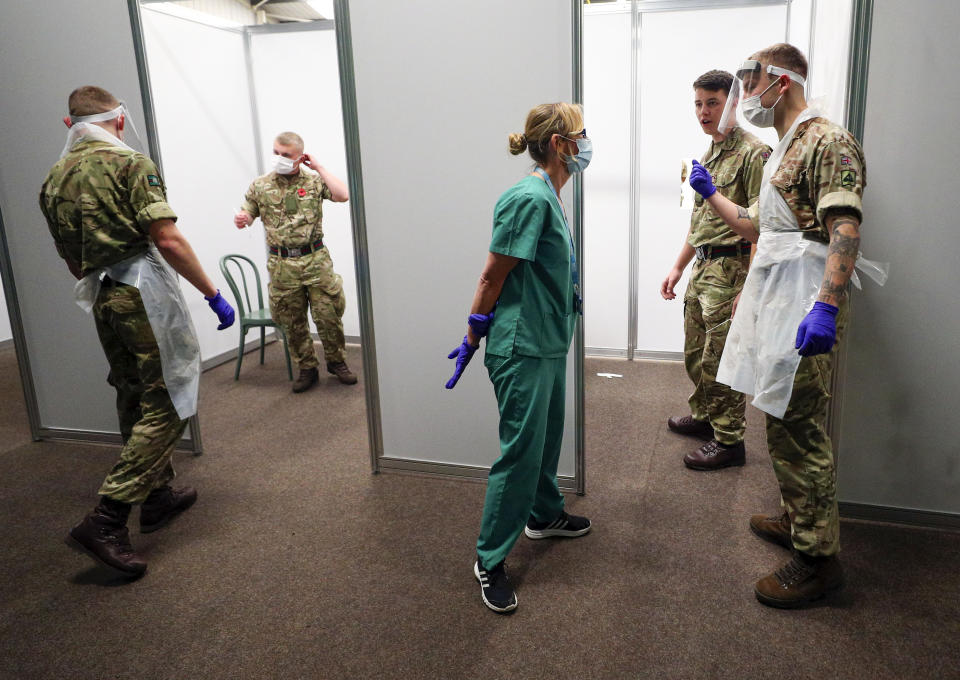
378 462
153 143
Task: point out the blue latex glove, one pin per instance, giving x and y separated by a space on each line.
463 354
480 323
222 309
700 180
817 333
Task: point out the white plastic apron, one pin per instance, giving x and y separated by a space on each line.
162 299
760 356
166 311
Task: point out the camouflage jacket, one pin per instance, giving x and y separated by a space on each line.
736 165
99 201
822 170
290 207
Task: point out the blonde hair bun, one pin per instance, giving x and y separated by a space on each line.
518 144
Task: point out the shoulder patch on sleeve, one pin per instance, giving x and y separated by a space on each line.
765 155
848 178
845 160
153 180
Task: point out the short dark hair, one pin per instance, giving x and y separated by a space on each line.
785 56
90 99
714 80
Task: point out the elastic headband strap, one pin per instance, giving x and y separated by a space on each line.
778 71
99 117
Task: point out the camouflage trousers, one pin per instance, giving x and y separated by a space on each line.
803 455
299 282
707 303
149 423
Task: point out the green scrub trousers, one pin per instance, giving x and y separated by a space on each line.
523 481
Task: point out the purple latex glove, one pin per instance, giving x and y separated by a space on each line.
222 309
700 180
480 323
463 354
817 333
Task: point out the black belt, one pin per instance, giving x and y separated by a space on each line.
713 252
297 252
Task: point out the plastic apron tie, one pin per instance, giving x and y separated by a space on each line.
574 272
163 302
760 357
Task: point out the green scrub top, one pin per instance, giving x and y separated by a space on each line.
535 316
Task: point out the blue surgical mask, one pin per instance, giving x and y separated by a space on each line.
580 160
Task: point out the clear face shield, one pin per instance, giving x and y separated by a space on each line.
750 82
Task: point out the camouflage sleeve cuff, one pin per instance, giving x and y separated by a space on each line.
845 201
154 212
753 212
250 208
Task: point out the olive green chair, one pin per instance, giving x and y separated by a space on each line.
248 315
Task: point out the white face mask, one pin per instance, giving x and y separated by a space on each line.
757 113
284 165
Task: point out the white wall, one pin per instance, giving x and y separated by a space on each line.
898 446
436 102
828 53
306 100
606 210
199 83
669 132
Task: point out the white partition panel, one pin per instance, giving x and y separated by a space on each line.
199 83
37 73
669 132
606 237
5 331
306 100
439 86
898 446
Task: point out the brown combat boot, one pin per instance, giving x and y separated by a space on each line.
163 504
339 369
775 529
800 581
713 456
308 378
688 425
104 536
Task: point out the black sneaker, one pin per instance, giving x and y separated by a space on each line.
495 588
564 526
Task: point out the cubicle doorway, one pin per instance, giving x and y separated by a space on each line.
640 60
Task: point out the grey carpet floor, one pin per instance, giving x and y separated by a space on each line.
296 562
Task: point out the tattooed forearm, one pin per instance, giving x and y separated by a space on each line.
841 257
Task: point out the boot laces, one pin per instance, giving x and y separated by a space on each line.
792 572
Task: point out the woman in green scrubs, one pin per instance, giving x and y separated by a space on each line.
526 305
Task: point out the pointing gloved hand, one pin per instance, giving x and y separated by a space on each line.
222 309
463 354
479 324
700 180
817 333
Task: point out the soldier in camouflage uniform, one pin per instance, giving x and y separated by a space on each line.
289 202
821 179
735 160
105 203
